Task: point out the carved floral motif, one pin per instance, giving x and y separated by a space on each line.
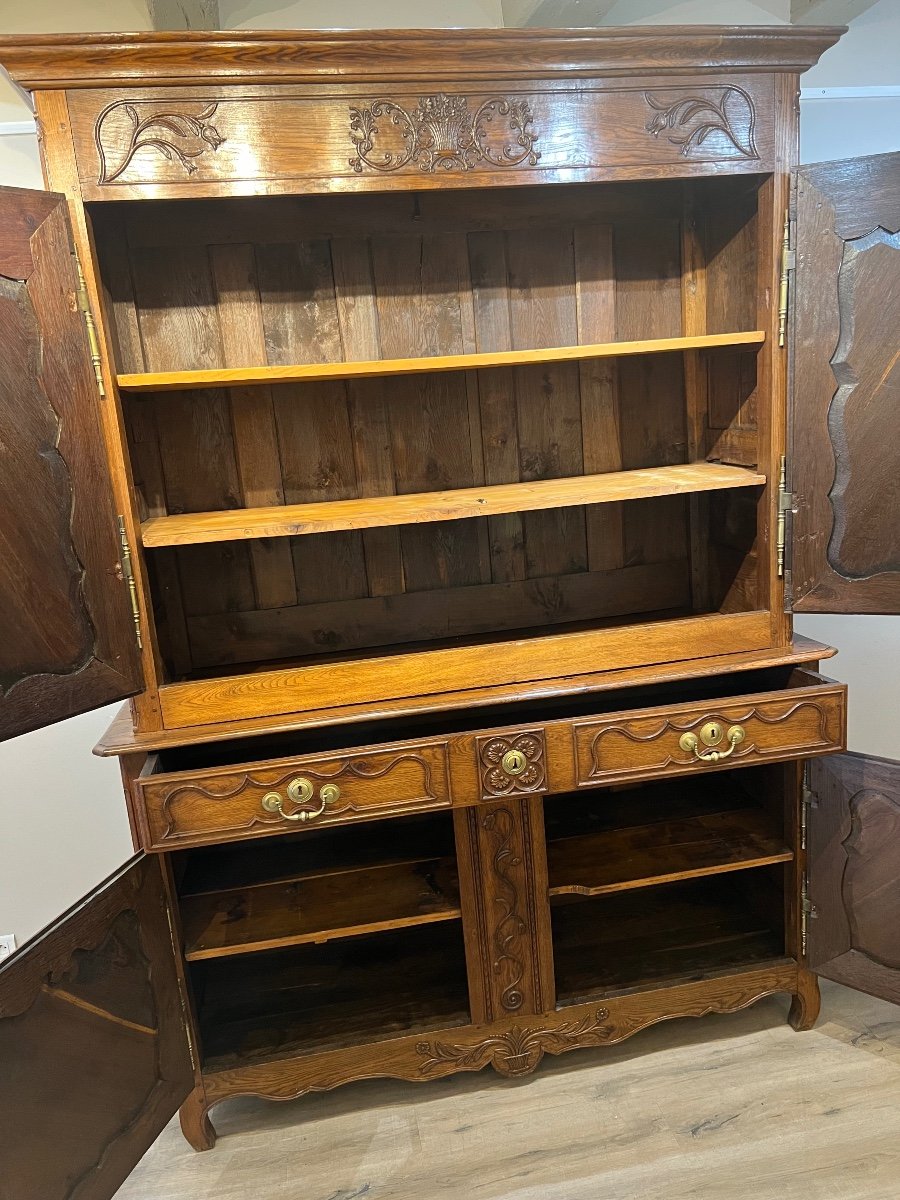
519 1050
495 780
441 132
179 137
691 119
510 928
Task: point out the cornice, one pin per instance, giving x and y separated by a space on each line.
275 56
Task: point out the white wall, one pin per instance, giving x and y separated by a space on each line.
60 836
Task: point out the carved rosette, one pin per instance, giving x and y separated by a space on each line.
496 780
442 132
519 1050
724 117
179 136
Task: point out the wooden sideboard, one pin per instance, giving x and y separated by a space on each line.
432 434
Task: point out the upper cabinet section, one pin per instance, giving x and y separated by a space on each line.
846 372
177 115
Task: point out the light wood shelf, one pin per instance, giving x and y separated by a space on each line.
596 864
168 381
291 520
316 908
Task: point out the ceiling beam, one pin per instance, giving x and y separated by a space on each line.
827 12
555 14
184 14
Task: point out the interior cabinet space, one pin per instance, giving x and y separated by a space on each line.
318 886
314 998
693 929
610 841
422 420
657 881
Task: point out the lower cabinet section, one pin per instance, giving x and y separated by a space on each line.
492 935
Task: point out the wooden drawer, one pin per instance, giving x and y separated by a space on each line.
805 718
224 804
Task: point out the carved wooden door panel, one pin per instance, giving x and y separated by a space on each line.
67 641
845 459
854 872
93 1046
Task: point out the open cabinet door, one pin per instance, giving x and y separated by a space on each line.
845 372
94 1056
68 639
854 872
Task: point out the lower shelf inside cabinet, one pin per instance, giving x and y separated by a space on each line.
312 998
676 931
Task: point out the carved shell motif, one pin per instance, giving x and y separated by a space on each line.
178 136
724 114
441 132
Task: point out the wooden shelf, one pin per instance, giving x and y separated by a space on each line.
169 381
291 520
337 903
595 864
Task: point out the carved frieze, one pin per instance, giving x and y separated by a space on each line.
443 132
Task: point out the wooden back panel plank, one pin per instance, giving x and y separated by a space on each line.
252 416
542 312
368 406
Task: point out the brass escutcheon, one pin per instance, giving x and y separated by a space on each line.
300 790
514 762
711 735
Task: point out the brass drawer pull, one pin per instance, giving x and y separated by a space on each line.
711 735
300 790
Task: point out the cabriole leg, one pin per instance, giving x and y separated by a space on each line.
195 1123
806 1002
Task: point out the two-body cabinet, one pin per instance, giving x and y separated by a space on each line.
432 433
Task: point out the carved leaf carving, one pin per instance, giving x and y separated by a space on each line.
519 1050
690 120
178 136
510 929
441 132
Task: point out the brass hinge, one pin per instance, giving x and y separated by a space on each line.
785 506
808 911
85 305
185 1014
128 573
808 801
788 262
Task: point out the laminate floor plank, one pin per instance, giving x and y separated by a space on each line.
727 1108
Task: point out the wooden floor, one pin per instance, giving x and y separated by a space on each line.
727 1108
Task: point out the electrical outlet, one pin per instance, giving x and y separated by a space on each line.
7 945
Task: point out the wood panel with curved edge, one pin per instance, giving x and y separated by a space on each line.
69 639
93 1042
197 807
806 719
845 461
854 873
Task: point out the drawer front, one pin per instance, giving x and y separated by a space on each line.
268 798
183 141
682 739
